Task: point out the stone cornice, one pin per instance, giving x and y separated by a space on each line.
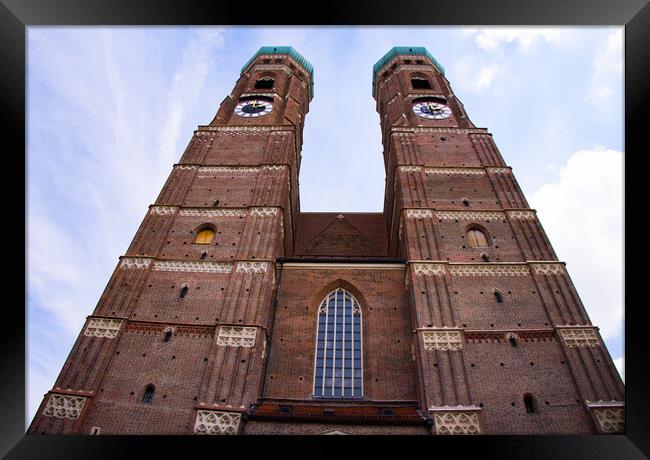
467 170
208 211
244 128
421 129
442 268
466 214
195 266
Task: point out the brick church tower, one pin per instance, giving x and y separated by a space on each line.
234 313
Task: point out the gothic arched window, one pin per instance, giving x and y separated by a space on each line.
476 238
529 402
264 83
205 236
148 394
338 370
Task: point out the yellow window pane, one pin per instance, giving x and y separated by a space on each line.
204 236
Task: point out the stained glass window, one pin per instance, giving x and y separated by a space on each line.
338 369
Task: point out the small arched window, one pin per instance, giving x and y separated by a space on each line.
420 83
338 370
529 402
205 236
512 338
184 290
264 83
498 296
476 238
148 394
168 334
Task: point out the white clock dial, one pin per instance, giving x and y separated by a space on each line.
432 110
253 108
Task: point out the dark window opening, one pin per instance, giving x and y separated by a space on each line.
264 83
168 336
485 257
215 203
498 296
204 255
420 83
184 290
148 394
513 341
529 402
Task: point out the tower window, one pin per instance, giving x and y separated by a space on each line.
264 83
168 334
184 290
338 369
205 236
485 257
420 83
148 394
498 296
529 402
476 238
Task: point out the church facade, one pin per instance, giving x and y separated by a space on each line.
233 312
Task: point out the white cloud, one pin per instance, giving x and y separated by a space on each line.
582 214
485 76
620 366
493 38
608 71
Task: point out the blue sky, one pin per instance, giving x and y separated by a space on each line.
111 109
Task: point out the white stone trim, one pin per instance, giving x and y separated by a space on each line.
442 340
134 263
548 269
469 215
236 336
162 210
251 267
410 168
579 337
521 214
64 406
610 419
424 269
472 171
217 422
210 212
185 167
103 327
230 169
418 213
456 423
264 212
499 170
489 270
192 267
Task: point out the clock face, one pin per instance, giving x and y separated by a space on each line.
253 108
432 110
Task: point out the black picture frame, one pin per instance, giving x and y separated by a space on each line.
16 15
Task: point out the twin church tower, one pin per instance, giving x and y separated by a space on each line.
233 312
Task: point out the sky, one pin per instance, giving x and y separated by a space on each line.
110 110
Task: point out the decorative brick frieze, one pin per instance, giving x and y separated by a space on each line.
414 129
229 169
473 336
274 167
442 340
264 212
456 422
424 269
418 213
489 270
284 68
245 129
469 215
103 327
610 416
211 212
236 336
185 167
579 337
251 267
216 422
499 170
192 267
521 215
410 168
471 171
162 210
548 269
64 406
134 263
136 327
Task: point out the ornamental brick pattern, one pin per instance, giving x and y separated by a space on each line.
219 335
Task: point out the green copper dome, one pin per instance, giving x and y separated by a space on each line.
400 50
291 52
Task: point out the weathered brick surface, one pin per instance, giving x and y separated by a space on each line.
270 266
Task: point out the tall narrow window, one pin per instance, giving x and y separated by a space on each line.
168 334
476 238
205 236
148 394
529 402
498 296
338 370
184 290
